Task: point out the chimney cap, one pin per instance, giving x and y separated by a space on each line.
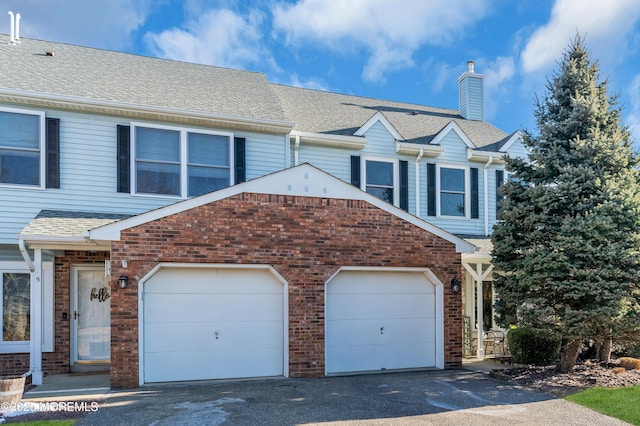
470 66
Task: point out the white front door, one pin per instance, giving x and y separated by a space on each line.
91 302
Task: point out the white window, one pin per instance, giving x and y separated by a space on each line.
180 162
380 178
453 191
15 307
21 148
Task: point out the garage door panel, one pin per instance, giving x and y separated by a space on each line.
353 333
406 305
380 320
202 336
344 359
204 365
379 282
212 307
183 310
187 280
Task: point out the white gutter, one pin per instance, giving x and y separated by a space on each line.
296 148
125 108
323 139
25 255
486 197
420 155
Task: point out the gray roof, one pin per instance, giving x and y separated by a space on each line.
338 114
104 75
62 223
483 245
107 76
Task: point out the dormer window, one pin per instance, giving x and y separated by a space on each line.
379 179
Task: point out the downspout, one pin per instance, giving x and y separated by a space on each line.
486 197
295 151
25 255
418 181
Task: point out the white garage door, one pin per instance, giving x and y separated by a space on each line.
379 321
212 323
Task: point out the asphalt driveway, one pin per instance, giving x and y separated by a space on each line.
452 397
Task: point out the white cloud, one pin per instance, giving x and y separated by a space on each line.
311 83
605 24
390 32
104 24
218 37
496 83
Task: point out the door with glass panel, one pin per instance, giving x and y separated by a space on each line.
91 302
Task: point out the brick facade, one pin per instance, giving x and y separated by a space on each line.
305 239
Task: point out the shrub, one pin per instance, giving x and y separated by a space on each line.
528 346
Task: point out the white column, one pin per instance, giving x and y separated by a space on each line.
35 358
480 316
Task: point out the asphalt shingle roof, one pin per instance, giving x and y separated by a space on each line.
339 114
102 75
62 223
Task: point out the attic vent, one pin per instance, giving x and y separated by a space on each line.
14 35
414 112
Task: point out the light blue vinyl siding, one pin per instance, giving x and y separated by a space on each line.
88 173
472 98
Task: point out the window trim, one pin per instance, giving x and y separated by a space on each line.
43 159
184 157
467 190
396 175
48 307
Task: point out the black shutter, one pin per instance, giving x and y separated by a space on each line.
53 153
240 160
123 160
475 207
431 189
404 185
355 170
499 183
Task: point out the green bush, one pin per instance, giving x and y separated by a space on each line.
534 347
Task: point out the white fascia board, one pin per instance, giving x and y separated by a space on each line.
52 242
304 180
379 117
484 156
124 108
452 126
476 258
430 151
322 139
517 135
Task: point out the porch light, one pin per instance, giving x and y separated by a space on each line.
455 285
123 281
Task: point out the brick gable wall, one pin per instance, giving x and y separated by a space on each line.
305 239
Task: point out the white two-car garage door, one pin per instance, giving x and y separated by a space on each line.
380 321
212 323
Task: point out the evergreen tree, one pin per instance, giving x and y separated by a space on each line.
568 239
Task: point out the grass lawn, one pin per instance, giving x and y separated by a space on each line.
621 403
47 423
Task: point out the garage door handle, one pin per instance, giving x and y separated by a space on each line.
217 334
381 330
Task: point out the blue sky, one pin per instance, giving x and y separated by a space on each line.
404 50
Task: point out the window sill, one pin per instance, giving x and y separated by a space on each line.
14 347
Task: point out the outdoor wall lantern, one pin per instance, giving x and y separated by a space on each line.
123 281
455 285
